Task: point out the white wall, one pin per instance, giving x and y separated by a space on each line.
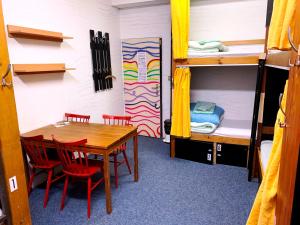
232 88
227 19
152 21
44 98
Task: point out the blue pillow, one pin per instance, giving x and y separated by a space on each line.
214 118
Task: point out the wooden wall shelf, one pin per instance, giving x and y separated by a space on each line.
31 33
28 69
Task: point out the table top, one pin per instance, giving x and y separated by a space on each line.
97 135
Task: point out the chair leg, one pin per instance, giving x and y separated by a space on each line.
31 181
89 196
116 169
50 173
62 205
126 160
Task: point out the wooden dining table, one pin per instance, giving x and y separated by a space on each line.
101 140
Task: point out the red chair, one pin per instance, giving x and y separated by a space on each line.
122 121
77 118
36 151
77 165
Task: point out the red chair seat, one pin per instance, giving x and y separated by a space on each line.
76 170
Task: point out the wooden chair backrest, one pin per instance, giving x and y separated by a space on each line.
71 153
77 118
117 120
35 149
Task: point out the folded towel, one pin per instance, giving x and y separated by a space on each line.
194 44
205 128
204 107
212 50
215 117
223 48
206 45
209 45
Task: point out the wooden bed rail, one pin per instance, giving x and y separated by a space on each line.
267 130
245 42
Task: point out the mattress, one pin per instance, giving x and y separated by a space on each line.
234 128
234 50
265 150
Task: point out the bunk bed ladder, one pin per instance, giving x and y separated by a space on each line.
260 71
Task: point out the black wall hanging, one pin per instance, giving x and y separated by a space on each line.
102 73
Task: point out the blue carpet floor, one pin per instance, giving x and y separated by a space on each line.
169 192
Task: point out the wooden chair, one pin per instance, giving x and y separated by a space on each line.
77 118
121 121
36 151
77 165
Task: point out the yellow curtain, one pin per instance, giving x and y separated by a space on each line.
283 16
181 121
263 209
180 10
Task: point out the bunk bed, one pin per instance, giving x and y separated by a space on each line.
244 53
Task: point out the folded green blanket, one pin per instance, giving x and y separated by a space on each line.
208 45
205 45
204 107
205 127
202 42
212 50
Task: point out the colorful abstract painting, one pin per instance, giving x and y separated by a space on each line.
142 84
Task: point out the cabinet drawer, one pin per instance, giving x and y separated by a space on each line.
194 150
235 155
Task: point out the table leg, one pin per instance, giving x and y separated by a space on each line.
135 153
107 182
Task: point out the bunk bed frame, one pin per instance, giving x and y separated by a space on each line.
279 60
227 60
